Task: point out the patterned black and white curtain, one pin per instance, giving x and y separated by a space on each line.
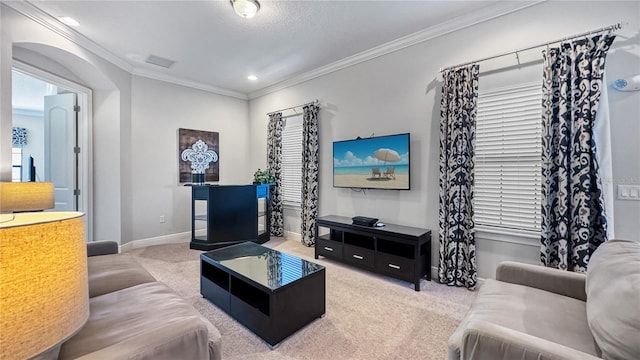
573 218
458 107
274 165
309 197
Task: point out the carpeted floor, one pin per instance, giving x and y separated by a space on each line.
368 316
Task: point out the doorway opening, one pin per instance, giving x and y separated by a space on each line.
51 137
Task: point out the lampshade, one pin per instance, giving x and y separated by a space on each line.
246 8
44 294
26 196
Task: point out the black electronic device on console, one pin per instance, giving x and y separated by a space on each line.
364 221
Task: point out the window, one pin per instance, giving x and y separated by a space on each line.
292 160
16 163
507 159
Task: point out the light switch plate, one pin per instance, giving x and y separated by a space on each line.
629 192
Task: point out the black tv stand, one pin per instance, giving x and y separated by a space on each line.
401 252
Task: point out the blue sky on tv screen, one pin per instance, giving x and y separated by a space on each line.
361 152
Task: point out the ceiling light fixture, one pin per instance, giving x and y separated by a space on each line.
245 8
252 77
69 21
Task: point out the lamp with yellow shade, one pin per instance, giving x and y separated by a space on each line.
25 196
44 296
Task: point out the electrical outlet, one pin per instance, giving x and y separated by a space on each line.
161 219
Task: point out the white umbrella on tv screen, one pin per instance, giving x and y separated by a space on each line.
387 155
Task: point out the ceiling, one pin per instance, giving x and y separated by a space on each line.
213 48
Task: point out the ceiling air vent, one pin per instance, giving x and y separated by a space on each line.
157 60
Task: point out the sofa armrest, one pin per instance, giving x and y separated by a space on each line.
484 340
103 247
561 282
182 339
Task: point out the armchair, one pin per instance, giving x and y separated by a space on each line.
533 312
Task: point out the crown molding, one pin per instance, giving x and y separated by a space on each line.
188 83
461 22
39 16
500 9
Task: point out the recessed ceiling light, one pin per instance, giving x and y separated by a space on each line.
252 77
69 21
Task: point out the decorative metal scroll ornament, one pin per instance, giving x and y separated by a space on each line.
200 156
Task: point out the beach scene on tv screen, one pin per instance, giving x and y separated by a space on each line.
375 163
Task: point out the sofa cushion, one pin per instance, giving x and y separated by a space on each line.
147 321
613 299
109 273
559 319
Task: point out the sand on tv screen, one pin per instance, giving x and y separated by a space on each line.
380 162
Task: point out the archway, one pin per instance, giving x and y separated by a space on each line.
99 100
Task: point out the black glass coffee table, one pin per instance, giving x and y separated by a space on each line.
272 293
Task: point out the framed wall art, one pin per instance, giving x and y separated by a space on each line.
198 156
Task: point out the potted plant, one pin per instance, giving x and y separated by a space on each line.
263 177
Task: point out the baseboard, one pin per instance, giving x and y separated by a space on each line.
158 240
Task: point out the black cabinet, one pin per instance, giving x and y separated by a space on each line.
231 213
273 294
401 252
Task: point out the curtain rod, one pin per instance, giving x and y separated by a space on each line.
293 107
607 28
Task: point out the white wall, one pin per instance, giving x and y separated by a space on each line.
399 92
158 110
107 196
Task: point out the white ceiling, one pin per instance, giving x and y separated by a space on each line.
215 48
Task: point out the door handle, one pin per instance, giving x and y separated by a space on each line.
394 266
358 257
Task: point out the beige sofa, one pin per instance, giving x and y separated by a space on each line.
133 316
533 312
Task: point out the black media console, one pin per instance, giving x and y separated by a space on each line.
233 214
402 252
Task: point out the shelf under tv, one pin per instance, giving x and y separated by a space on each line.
401 252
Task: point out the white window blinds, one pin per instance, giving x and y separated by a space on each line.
292 160
507 158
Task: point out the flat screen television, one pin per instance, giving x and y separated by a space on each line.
380 162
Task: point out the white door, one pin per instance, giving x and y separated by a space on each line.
59 144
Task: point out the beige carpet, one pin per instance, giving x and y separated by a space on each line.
368 316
